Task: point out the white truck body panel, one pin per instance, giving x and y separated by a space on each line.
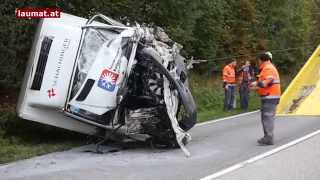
59 66
37 105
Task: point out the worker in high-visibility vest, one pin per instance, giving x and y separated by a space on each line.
229 85
268 86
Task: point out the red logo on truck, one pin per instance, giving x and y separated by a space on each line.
107 80
51 93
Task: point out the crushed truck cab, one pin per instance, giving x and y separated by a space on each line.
100 76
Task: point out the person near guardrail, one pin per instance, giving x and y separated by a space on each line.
245 77
229 84
268 86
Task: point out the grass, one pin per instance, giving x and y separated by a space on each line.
21 139
16 150
209 97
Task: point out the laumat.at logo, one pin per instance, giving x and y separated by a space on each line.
29 12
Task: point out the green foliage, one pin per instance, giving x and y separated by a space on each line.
209 97
20 139
12 149
245 27
315 21
207 29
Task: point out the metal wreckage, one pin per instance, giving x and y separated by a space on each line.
99 75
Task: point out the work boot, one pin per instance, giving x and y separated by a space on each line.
265 141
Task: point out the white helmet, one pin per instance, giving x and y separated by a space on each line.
268 54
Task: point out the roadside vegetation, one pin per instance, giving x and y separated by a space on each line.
209 96
21 139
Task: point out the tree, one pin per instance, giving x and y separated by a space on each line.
216 30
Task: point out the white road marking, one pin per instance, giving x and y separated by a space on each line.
259 157
226 118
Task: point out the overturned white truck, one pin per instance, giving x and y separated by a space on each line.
99 75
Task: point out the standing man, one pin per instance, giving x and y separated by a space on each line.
268 86
229 84
246 75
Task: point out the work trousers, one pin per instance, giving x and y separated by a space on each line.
244 95
229 97
268 111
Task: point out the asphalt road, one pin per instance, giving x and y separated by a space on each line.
214 147
298 162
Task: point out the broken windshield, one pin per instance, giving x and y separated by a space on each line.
92 42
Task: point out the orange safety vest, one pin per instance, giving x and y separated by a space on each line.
229 74
269 81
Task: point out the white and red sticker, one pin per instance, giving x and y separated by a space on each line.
51 93
107 80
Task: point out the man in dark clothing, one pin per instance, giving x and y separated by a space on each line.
246 76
